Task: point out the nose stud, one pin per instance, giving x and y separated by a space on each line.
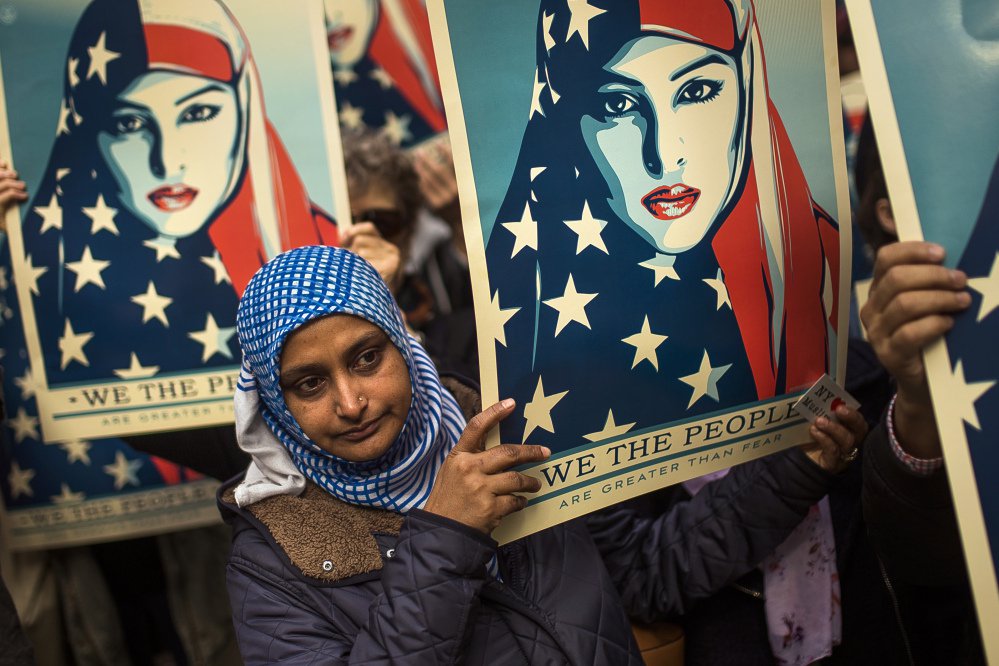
360 398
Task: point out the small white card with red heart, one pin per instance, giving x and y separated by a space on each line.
823 399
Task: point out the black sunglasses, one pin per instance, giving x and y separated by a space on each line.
388 221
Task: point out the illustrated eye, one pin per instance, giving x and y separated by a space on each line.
200 113
129 124
618 104
698 91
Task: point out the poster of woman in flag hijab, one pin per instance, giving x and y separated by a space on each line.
171 147
383 68
652 193
932 72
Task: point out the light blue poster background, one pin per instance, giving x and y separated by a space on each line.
277 40
955 44
503 57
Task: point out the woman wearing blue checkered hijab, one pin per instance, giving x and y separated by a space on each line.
361 528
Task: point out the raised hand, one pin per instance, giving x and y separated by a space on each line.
477 487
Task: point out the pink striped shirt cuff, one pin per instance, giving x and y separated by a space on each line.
918 466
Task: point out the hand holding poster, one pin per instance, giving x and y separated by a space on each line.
652 232
933 81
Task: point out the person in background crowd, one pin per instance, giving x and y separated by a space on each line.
388 194
907 501
361 529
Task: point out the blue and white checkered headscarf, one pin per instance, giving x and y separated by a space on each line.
311 282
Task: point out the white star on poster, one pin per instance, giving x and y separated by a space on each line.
551 88
661 266
571 306
26 382
100 56
51 215
62 126
163 247
351 117
382 77
988 287
71 345
963 395
538 412
721 291
77 450
136 370
396 129
546 21
88 270
32 273
500 317
588 230
124 471
525 232
214 262
537 171
705 380
77 118
67 496
20 481
645 343
215 340
153 305
101 216
25 426
71 73
579 22
610 429
539 86
344 76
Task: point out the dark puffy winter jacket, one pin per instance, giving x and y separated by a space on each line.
313 580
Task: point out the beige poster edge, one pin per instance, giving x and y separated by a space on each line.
540 514
58 418
960 472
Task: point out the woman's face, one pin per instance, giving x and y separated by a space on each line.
171 145
347 386
349 25
663 130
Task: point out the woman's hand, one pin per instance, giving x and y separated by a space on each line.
474 487
834 444
12 191
912 304
364 240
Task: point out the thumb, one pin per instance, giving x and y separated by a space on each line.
473 440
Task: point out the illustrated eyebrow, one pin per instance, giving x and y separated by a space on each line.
211 87
122 104
712 59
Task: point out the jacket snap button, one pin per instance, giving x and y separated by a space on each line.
390 553
327 566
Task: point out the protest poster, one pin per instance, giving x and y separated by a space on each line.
932 74
652 193
383 68
170 148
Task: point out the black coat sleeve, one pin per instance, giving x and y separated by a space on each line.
910 518
431 595
663 564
